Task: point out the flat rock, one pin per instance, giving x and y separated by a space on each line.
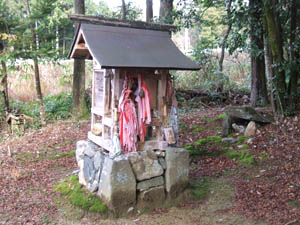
117 187
247 113
229 140
146 184
177 172
145 165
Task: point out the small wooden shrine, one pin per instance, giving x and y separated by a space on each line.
126 56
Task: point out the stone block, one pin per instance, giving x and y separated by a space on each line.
88 169
117 187
162 162
152 198
177 172
146 184
80 149
145 165
98 160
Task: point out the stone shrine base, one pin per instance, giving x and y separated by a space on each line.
141 180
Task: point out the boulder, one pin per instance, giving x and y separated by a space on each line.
177 172
238 128
242 115
151 198
145 165
146 184
251 129
247 113
117 187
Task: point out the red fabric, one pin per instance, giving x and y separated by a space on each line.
144 108
130 125
128 121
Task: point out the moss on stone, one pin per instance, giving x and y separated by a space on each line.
78 197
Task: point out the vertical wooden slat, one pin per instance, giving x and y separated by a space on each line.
107 92
93 101
162 107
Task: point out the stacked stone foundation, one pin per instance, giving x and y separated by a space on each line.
146 179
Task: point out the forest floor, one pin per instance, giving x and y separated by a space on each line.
254 181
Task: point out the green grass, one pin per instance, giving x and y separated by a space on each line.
72 191
199 190
200 147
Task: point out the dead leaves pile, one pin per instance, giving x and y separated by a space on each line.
27 178
269 191
272 191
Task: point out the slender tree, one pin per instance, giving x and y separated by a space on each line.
294 54
124 14
34 43
227 32
259 94
149 10
79 107
3 78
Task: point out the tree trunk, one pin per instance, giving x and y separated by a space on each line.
79 108
293 83
165 11
123 10
277 51
36 70
5 85
259 93
223 45
149 10
269 69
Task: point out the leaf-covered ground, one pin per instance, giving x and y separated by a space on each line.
265 188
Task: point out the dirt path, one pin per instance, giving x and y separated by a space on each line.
216 207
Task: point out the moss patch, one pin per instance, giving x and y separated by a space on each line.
243 156
73 192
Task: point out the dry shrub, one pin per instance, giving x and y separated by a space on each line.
55 79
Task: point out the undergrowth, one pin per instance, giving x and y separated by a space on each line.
202 147
74 193
199 190
56 106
